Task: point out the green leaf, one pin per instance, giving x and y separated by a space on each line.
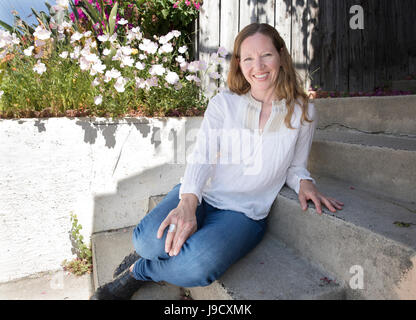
6 26
165 13
93 12
112 18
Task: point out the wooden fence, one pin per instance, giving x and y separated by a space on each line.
325 50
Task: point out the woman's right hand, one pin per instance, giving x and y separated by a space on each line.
184 218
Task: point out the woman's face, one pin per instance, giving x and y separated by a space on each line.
260 64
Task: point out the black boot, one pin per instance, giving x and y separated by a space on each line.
126 263
121 288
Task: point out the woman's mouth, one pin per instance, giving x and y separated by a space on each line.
261 76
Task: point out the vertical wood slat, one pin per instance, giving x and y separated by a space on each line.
209 34
313 45
248 12
299 39
342 46
228 30
283 20
369 50
265 11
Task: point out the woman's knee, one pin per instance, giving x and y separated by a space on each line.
147 245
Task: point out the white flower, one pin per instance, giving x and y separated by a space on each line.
183 49
39 67
103 37
1 93
202 65
152 82
28 51
166 48
148 46
215 58
122 21
120 83
180 59
15 39
140 83
96 82
62 3
222 52
87 34
98 99
157 69
106 52
139 65
113 38
193 66
98 67
193 78
113 73
66 24
214 75
76 53
76 37
41 33
172 77
126 61
176 33
142 56
64 54
126 50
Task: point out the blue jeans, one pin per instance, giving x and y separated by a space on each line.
222 238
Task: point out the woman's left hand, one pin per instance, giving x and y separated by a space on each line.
308 191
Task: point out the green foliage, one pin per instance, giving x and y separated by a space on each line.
83 263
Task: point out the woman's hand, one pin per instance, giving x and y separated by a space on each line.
184 218
308 191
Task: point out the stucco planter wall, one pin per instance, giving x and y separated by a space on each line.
104 171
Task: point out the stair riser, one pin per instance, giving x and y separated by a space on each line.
370 114
387 171
335 245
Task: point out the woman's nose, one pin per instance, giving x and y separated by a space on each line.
259 64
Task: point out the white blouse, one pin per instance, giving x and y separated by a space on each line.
236 166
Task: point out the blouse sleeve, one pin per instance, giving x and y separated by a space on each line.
202 160
297 169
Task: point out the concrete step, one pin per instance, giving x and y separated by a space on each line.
109 249
272 271
373 237
394 115
379 162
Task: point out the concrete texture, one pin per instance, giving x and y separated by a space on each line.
394 114
364 233
104 171
109 249
57 285
386 164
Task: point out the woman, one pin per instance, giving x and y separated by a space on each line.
219 211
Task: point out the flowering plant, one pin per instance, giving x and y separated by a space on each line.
99 76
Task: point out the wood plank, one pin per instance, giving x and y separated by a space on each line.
209 34
369 47
248 13
299 39
266 11
327 19
228 30
356 61
283 20
313 45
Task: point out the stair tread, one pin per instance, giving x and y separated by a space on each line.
273 271
403 142
368 210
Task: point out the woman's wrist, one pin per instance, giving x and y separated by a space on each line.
189 200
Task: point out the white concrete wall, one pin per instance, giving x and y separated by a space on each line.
103 171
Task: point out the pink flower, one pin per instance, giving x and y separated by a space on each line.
175 5
197 5
187 2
